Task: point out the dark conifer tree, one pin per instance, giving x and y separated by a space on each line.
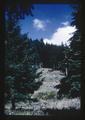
73 59
19 55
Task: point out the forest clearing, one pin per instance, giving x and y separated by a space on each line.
42 59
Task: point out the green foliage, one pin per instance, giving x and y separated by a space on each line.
64 88
46 95
19 59
50 95
50 55
18 9
70 86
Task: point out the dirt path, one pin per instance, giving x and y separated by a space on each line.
46 95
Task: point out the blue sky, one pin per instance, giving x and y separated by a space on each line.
50 22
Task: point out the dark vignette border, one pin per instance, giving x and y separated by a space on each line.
60 115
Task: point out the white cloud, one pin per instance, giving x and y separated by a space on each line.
62 34
65 23
39 24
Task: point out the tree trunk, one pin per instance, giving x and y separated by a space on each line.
12 99
13 103
66 71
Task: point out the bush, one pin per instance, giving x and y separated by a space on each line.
74 92
69 87
47 95
64 88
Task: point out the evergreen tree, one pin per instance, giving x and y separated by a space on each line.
19 59
50 55
14 10
72 81
75 58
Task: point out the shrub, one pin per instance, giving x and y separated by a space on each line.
47 95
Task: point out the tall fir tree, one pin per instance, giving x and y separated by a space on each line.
73 60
